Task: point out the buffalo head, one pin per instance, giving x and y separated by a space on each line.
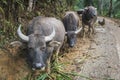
72 36
71 23
90 12
38 49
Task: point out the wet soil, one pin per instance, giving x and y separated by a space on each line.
12 67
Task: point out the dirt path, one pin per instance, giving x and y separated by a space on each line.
104 51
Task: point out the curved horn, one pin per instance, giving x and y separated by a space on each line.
85 8
76 32
50 37
21 35
66 32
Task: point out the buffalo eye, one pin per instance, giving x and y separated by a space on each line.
30 47
42 48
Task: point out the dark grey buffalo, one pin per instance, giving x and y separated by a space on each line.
89 17
44 35
71 23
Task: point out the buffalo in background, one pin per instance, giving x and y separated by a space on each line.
89 17
71 24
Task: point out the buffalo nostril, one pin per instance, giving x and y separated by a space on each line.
38 65
71 45
33 69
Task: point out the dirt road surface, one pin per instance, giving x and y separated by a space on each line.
104 51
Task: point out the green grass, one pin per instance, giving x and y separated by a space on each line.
57 73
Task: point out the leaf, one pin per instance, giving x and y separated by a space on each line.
42 77
4 1
2 11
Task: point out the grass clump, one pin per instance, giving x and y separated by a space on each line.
57 73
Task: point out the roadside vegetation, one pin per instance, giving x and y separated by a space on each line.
15 12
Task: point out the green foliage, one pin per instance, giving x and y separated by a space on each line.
105 6
43 76
15 12
79 4
117 15
2 11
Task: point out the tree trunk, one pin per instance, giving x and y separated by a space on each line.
110 9
30 6
88 3
16 11
100 7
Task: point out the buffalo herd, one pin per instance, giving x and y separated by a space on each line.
45 35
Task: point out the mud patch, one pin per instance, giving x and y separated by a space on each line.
12 67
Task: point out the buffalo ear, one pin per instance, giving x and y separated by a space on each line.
86 8
80 11
54 43
19 44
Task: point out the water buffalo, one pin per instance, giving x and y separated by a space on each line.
89 17
44 35
71 23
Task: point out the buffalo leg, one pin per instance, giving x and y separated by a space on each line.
93 30
83 30
48 66
89 30
56 55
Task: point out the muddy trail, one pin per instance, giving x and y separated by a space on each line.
96 58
